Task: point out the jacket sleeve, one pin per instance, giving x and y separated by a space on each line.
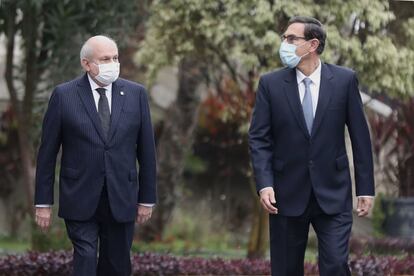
146 155
260 139
361 142
49 147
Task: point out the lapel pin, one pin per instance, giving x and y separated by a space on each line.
122 93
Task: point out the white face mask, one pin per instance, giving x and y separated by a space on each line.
108 73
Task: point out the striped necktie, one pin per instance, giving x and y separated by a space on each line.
103 110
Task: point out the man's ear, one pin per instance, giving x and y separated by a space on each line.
85 65
314 45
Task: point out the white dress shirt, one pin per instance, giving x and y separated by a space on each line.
315 77
96 97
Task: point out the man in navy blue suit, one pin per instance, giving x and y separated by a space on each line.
103 125
297 145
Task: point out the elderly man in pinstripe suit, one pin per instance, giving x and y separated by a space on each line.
103 125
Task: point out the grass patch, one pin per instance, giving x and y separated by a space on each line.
12 245
185 248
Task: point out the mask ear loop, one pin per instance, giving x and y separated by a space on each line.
303 44
90 61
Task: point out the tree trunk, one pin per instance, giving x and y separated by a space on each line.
259 233
175 141
22 113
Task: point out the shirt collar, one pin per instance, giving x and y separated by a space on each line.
94 85
315 76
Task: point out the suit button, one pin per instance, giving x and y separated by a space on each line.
310 163
106 148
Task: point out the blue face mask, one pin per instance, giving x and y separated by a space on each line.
287 53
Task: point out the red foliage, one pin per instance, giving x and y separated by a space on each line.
231 103
60 263
397 131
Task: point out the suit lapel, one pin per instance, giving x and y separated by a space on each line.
292 94
85 93
325 92
118 100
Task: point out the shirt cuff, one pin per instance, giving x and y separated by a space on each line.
147 204
43 205
366 196
266 188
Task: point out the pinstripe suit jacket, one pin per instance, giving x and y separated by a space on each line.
72 123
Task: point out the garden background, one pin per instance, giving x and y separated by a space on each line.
201 61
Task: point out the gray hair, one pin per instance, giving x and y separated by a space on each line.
87 50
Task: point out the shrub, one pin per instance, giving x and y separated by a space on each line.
382 266
150 264
384 246
37 264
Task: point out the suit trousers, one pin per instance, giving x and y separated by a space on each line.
289 237
114 239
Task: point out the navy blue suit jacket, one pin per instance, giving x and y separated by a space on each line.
72 123
285 156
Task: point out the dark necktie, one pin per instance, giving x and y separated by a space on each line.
307 105
103 110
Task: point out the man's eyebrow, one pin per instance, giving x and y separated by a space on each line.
107 56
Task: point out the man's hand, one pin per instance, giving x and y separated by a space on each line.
143 214
43 217
364 205
267 198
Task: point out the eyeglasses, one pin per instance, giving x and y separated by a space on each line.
291 38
